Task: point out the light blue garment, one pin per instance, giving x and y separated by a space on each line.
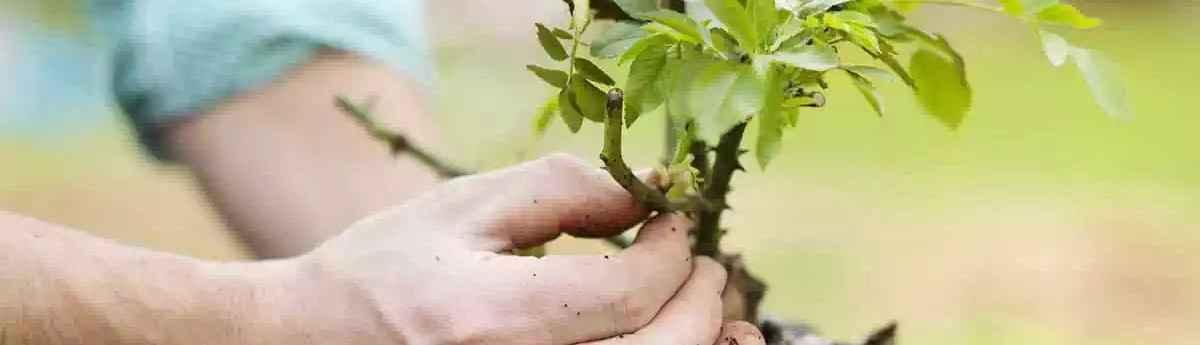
174 58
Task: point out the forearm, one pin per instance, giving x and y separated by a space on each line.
58 286
288 170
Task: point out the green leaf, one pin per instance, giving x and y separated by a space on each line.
643 44
870 72
1066 15
771 120
816 57
859 33
785 32
562 34
941 86
723 95
1035 6
1056 47
765 17
677 85
1103 79
868 90
680 22
724 43
545 115
592 72
617 40
583 13
553 47
818 6
637 8
553 77
737 20
898 68
1014 8
661 29
590 100
569 111
642 94
1021 8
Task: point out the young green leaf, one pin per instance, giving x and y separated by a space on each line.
553 47
637 8
589 99
870 72
898 68
771 119
1055 46
657 28
641 93
680 22
737 20
553 77
592 72
941 86
1015 8
816 57
868 90
1103 80
617 39
582 14
818 6
545 115
724 43
723 95
562 34
643 44
857 31
569 111
1066 15
678 84
765 17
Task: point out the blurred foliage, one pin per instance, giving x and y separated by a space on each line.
56 15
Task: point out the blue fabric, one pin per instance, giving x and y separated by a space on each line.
175 58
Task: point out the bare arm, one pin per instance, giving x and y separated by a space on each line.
287 170
58 286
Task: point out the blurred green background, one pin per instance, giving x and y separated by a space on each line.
1040 221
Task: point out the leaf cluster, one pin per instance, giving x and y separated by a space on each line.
766 60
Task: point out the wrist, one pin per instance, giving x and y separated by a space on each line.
304 301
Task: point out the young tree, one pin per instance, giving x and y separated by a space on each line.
715 67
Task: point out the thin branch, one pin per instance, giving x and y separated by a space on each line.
716 187
614 160
397 142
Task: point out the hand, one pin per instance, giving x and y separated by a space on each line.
431 272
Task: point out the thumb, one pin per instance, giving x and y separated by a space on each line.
548 197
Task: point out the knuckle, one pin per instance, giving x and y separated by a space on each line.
562 162
637 309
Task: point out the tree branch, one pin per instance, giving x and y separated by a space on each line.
614 160
397 142
716 187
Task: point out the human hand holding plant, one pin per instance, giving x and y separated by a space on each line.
433 271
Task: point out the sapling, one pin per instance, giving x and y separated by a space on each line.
711 72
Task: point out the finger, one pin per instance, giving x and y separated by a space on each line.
693 316
535 202
740 333
588 297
